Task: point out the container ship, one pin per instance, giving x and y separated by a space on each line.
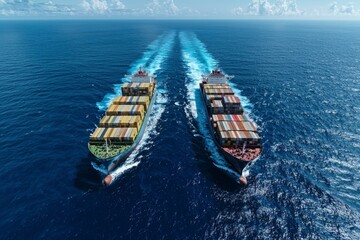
235 134
124 123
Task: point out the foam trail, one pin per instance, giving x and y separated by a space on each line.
199 61
158 108
133 159
193 57
210 63
122 169
152 59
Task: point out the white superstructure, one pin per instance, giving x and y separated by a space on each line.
141 77
216 77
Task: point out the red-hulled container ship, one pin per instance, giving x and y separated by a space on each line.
234 132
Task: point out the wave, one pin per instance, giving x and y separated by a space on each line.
134 159
198 61
151 60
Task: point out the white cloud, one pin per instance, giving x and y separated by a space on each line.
118 5
238 11
348 9
270 8
30 8
96 6
165 7
102 6
260 8
86 6
287 8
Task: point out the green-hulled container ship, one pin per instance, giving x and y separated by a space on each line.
124 124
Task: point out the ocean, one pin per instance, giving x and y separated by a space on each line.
298 80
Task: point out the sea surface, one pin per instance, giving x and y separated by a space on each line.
299 81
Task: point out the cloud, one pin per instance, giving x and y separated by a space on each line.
260 8
270 8
348 9
288 8
238 11
30 8
102 6
96 6
118 5
166 8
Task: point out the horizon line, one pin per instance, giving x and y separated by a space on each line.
181 19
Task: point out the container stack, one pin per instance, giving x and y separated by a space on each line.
137 89
232 105
218 91
115 135
210 98
132 100
230 117
125 110
224 85
233 128
225 126
121 121
217 107
124 118
238 138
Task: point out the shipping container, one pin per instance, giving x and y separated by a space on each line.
238 138
121 121
216 107
210 98
225 85
232 104
233 110
218 91
230 117
114 135
121 110
132 100
231 100
235 126
137 89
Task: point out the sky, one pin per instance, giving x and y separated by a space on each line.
180 9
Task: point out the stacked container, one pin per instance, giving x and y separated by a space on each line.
132 100
122 110
229 138
232 127
137 89
218 91
124 117
114 135
210 98
225 85
121 121
217 107
230 117
232 104
225 126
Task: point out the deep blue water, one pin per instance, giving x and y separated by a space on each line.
300 82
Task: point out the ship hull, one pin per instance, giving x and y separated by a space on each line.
238 164
110 164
